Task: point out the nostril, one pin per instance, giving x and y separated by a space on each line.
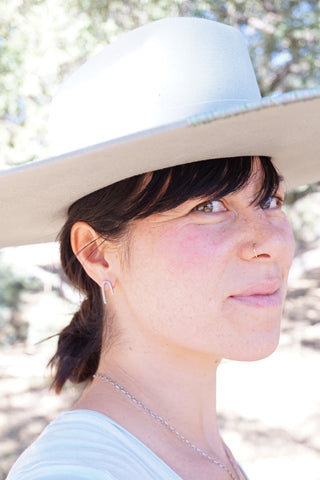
263 255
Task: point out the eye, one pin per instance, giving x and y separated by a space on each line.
212 206
272 203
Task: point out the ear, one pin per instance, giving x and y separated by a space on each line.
92 252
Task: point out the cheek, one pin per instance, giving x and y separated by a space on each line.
179 268
192 250
180 273
178 284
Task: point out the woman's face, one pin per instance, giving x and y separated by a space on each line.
193 282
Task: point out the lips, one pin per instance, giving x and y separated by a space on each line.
264 295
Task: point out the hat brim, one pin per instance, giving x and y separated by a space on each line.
35 197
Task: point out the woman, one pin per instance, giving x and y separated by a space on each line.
176 236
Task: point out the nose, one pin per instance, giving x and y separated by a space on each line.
265 237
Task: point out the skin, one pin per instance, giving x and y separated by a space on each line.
192 293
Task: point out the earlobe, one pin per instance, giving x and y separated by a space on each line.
90 250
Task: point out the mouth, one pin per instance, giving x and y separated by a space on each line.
266 300
267 295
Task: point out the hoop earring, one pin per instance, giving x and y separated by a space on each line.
103 292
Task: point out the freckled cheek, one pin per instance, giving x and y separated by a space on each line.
190 251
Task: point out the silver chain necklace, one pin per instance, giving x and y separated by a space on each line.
167 425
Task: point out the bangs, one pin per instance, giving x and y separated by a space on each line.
110 209
209 179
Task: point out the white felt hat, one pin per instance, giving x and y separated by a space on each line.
174 91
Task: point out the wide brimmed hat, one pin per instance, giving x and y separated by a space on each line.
171 92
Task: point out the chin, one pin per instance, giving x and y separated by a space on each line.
258 348
260 355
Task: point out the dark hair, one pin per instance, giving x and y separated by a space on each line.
109 211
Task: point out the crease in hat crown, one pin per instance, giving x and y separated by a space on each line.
154 75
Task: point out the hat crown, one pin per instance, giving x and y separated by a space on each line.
150 77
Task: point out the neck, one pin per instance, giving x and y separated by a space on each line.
178 386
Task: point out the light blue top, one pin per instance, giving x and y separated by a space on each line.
87 445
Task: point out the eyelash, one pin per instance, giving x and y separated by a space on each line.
264 204
202 207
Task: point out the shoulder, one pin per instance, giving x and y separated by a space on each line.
58 453
82 445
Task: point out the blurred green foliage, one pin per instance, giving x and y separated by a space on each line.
302 208
13 327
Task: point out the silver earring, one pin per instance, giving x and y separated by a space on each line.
103 291
254 250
